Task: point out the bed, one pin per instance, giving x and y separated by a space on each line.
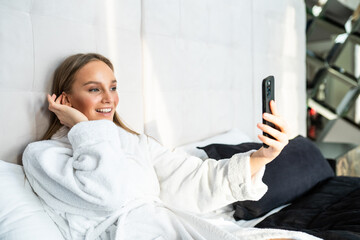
320 203
189 75
300 199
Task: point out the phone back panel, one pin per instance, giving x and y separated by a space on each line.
268 94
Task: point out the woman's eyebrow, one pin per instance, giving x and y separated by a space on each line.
95 82
91 82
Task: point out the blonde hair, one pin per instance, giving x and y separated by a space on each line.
64 77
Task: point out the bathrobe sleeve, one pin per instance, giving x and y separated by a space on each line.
81 176
189 183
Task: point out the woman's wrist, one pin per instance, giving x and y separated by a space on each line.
79 119
257 161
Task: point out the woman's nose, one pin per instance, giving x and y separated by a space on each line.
107 97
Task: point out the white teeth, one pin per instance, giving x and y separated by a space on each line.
104 110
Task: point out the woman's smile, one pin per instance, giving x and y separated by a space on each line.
104 110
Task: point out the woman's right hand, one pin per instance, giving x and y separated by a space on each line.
67 115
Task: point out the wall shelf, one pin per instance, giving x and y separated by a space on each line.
333 69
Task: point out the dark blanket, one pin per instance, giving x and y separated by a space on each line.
331 210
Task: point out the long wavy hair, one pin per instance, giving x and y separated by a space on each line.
63 81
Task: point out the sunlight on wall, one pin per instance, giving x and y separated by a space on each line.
291 41
156 113
290 108
188 92
291 88
110 26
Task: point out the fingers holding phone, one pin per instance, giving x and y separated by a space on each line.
275 118
275 129
278 130
279 136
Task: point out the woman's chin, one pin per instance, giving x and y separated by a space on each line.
109 117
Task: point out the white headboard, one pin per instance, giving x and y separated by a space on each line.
35 36
186 69
204 62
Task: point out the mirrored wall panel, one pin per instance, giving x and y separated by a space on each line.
321 37
332 64
353 114
331 89
347 57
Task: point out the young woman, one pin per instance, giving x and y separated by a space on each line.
100 180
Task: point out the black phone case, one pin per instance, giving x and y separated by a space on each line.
268 94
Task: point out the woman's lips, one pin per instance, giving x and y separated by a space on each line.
103 110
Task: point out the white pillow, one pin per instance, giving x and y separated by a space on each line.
22 216
233 136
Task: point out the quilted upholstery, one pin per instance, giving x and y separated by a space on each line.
35 36
187 70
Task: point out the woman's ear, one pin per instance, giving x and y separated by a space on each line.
66 99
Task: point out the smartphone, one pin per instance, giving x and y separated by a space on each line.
268 94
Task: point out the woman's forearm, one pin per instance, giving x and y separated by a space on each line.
257 162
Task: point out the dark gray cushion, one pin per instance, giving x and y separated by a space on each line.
298 168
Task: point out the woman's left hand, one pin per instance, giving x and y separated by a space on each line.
281 134
66 114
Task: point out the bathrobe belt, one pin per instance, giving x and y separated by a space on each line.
119 216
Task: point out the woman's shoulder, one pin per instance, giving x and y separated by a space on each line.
44 144
59 139
34 150
131 138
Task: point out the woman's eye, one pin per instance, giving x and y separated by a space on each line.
93 90
113 88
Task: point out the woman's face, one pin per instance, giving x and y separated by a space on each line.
94 91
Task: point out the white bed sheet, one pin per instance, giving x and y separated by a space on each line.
233 136
224 218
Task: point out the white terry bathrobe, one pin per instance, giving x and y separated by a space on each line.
98 181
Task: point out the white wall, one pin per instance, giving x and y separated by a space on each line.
36 35
187 69
204 61
279 49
